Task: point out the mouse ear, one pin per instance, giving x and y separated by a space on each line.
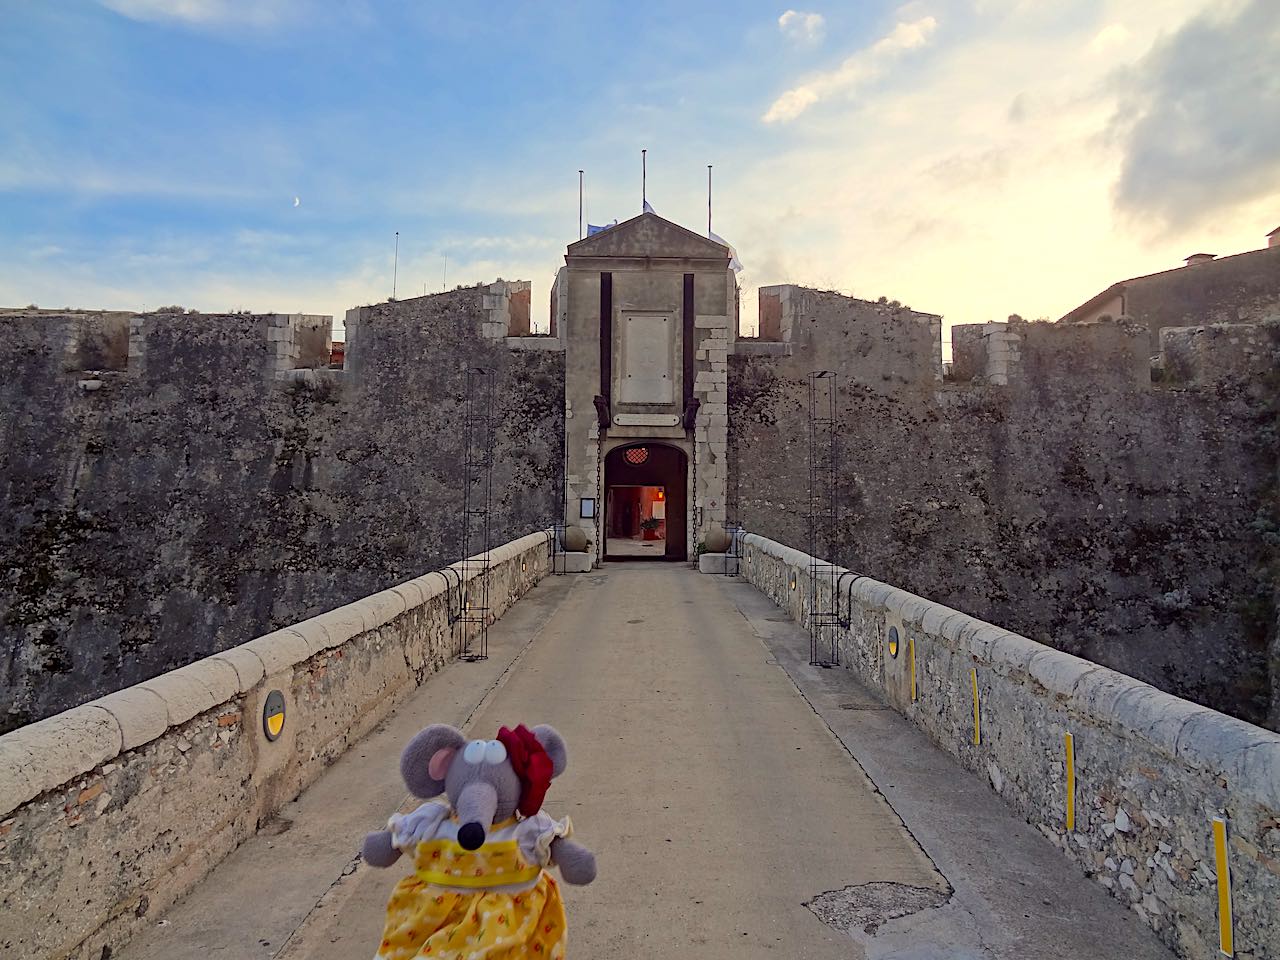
438 765
553 743
425 760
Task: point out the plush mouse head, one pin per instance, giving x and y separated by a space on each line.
486 781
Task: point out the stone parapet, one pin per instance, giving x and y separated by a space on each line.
111 811
1150 771
536 343
1109 353
1220 352
506 308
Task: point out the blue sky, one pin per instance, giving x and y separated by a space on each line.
969 158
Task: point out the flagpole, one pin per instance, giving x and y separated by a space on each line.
644 197
579 204
395 266
708 201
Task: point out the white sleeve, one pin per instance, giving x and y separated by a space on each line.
535 836
410 829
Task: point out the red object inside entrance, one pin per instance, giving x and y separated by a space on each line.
632 513
639 493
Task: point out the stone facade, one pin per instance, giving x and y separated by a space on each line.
711 431
1050 485
113 810
646 269
174 484
1150 771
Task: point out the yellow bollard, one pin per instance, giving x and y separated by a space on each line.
1071 781
1226 933
977 717
911 656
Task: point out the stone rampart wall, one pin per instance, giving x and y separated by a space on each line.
1051 485
111 811
1151 771
172 485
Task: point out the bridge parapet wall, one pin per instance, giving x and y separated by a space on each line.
1151 771
113 810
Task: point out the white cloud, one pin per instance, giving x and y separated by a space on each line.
865 65
1198 118
802 28
1111 37
256 13
74 178
984 185
271 271
981 187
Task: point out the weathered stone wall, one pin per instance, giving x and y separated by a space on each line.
113 810
1058 491
217 485
1151 771
1243 287
1221 352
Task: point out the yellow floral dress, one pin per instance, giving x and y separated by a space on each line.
495 903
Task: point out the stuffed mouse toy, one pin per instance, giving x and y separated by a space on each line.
480 886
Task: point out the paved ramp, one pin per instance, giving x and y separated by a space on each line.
726 816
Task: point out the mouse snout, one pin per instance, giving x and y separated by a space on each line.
471 836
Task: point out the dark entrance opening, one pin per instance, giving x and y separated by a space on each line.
645 502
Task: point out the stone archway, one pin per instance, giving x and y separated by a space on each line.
646 465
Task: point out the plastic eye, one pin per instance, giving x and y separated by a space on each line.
494 752
474 753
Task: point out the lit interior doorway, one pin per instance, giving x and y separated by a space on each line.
644 502
637 521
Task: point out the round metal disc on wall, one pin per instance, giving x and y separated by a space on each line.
273 715
893 642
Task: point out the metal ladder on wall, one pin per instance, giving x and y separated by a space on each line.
824 517
558 523
732 525
473 615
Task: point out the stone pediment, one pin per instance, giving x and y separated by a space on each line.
649 235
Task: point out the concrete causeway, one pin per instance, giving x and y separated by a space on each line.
735 798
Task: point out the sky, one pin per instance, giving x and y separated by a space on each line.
973 158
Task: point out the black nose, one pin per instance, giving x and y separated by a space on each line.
470 836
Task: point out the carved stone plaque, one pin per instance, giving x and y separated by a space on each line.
645 374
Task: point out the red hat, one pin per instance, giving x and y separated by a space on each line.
532 765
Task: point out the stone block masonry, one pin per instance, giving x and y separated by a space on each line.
506 306
1150 771
113 810
710 387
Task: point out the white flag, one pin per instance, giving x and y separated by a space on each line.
734 263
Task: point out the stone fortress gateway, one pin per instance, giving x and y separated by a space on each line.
648 311
177 483
216 494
